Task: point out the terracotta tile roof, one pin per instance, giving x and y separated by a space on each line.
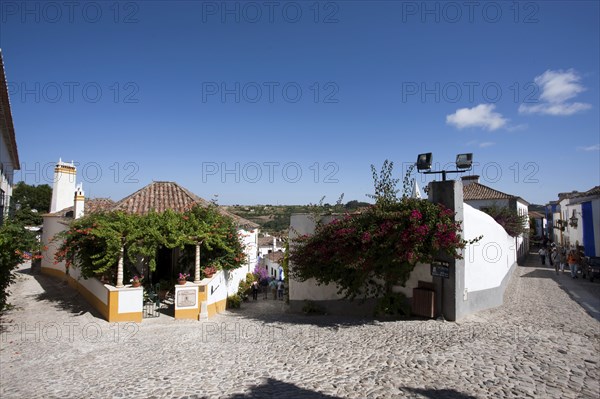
590 192
6 121
267 241
92 205
275 257
159 196
477 191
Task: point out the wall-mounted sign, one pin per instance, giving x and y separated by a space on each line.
440 270
186 298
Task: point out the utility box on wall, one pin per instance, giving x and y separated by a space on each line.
423 300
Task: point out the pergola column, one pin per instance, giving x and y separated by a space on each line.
120 269
197 263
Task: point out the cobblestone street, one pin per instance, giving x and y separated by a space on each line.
541 343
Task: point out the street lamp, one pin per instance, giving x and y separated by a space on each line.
464 163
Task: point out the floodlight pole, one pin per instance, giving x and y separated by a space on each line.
443 172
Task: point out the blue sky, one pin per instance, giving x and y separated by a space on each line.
286 102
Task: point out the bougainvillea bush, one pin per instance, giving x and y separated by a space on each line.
366 252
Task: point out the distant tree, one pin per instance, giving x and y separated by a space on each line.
32 202
354 204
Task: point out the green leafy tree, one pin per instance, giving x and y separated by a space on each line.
32 202
16 245
93 243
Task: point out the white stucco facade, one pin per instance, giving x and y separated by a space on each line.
489 260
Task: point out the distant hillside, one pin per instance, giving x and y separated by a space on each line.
537 208
275 219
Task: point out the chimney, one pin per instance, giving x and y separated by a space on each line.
274 243
63 186
466 180
79 207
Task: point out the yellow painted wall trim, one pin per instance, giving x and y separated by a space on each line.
216 307
54 273
187 313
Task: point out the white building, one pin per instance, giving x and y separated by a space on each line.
274 265
481 197
269 244
9 156
576 220
124 303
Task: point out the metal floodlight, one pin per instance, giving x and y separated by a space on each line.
424 161
464 161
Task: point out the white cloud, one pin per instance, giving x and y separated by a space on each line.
565 109
480 116
556 88
559 86
590 148
480 144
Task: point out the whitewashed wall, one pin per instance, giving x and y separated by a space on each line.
220 287
301 224
574 234
250 243
93 285
52 226
488 261
273 268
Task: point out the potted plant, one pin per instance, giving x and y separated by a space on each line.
209 271
182 279
136 281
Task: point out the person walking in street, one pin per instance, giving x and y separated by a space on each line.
572 260
542 252
554 259
273 286
255 290
562 257
264 283
280 290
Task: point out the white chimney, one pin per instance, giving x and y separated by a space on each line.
466 180
274 243
63 186
79 207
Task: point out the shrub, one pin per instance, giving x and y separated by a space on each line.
312 308
16 245
234 301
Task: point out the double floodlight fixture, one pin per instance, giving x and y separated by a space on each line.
464 162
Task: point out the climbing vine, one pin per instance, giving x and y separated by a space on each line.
93 243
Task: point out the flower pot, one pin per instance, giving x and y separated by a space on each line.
136 284
181 282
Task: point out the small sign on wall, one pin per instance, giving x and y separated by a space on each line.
441 269
186 298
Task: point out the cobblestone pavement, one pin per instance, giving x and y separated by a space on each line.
541 343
